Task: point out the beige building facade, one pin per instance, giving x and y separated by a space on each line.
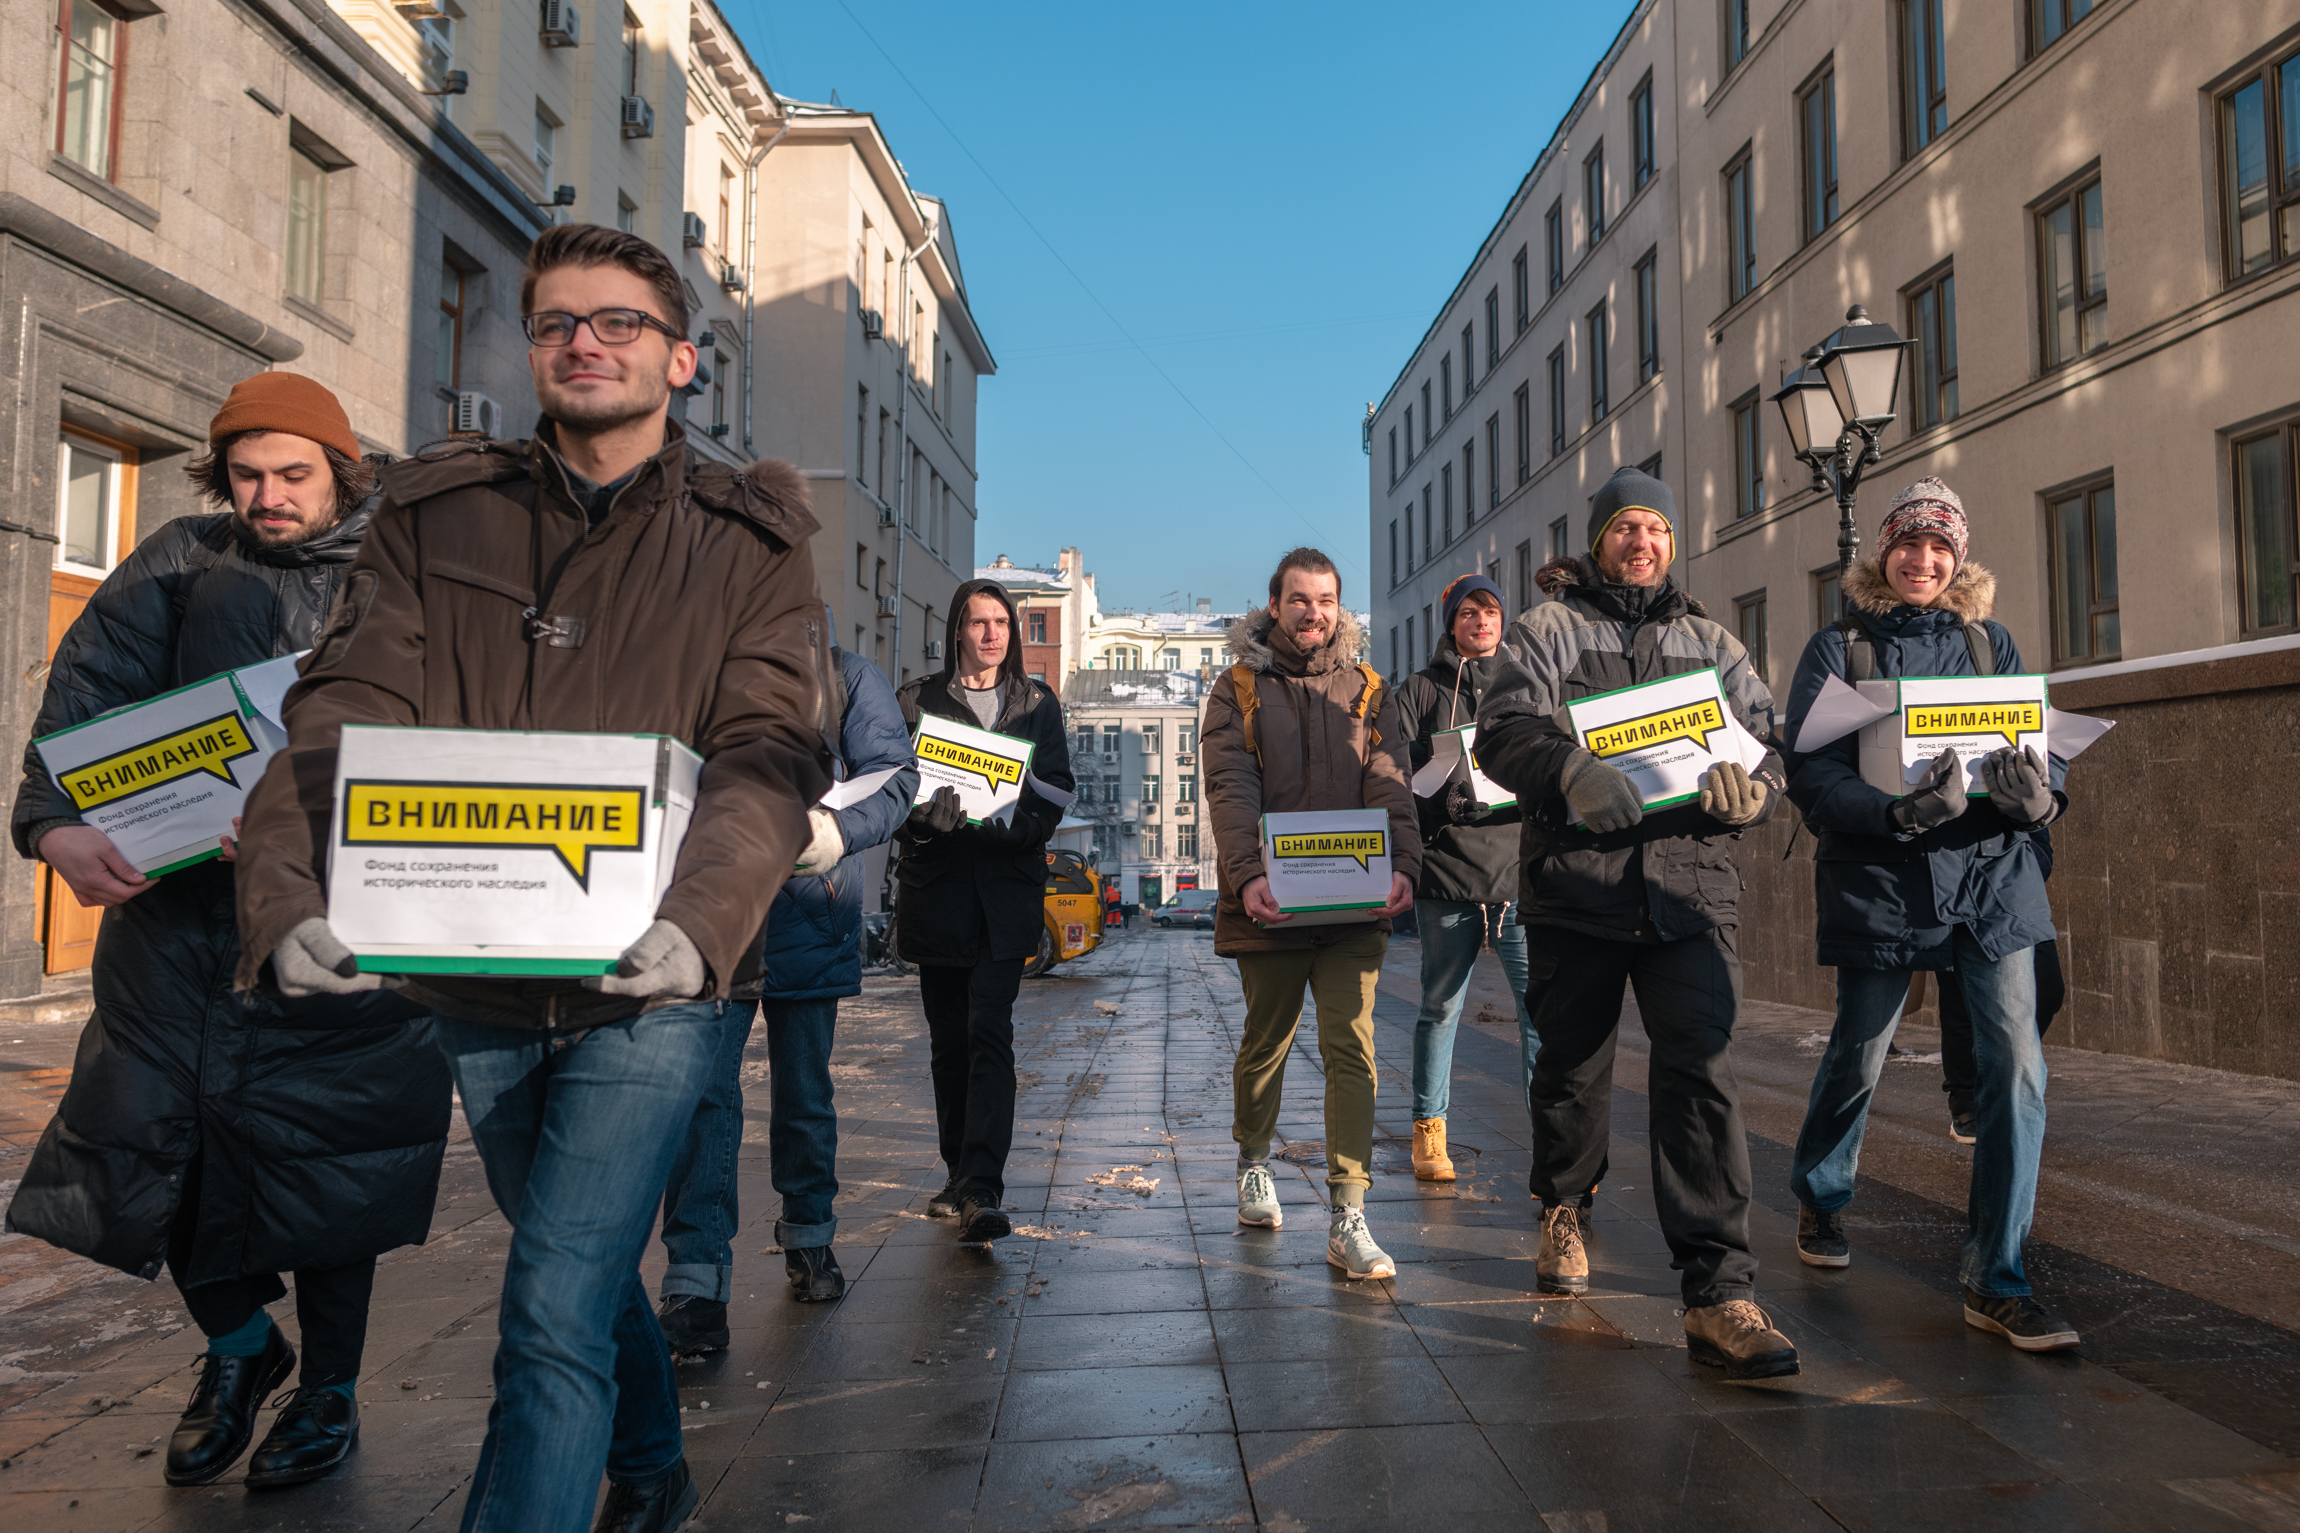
1134 751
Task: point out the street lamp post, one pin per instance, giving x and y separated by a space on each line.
1836 408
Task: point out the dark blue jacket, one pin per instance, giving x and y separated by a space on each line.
812 947
1888 901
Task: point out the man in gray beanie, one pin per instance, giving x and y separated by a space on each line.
1612 895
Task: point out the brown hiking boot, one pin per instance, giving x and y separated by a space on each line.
1563 1264
1737 1337
1431 1163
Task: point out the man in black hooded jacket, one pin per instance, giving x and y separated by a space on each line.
226 1136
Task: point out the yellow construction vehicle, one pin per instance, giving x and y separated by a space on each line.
1073 912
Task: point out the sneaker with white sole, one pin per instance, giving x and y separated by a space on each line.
2020 1320
1258 1198
1350 1246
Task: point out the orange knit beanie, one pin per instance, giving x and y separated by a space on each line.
285 402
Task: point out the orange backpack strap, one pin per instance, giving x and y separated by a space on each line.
1369 705
1249 701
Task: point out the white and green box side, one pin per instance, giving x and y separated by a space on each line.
1335 887
982 799
1890 759
1600 709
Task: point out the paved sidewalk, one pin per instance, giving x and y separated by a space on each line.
1133 1358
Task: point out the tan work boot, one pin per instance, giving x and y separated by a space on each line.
1737 1337
1563 1263
1431 1163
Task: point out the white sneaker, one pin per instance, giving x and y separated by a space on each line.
1350 1246
1258 1198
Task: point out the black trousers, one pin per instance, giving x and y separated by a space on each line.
1960 1077
1688 993
330 1302
970 1025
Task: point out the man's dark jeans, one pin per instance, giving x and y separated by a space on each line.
1960 1076
700 1213
1688 994
970 1025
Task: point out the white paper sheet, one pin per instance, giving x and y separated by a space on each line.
845 795
2069 734
1836 713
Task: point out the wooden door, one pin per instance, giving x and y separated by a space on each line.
67 927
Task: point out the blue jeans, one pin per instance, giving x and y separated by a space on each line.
700 1214
577 1135
1451 934
2008 1103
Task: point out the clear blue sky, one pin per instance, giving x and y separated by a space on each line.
1272 199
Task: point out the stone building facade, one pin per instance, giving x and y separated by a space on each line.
1134 750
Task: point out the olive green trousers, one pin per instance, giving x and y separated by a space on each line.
1339 978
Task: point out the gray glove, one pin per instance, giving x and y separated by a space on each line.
662 962
2019 784
941 813
1938 798
1730 796
1603 797
312 960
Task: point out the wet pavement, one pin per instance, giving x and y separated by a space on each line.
1133 1358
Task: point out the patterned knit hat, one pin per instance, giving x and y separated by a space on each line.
1926 506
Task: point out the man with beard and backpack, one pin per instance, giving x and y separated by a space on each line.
1611 894
229 1137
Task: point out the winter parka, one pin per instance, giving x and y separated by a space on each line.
1475 862
319 1124
960 899
812 949
1671 875
1317 749
1889 901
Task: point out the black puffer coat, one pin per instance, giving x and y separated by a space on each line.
1474 862
320 1124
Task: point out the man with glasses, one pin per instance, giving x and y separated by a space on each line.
599 577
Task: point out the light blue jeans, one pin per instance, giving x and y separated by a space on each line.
2008 1103
1451 934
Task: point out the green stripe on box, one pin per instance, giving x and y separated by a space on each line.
1303 910
531 968
188 862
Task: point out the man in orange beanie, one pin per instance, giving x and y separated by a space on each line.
164 1151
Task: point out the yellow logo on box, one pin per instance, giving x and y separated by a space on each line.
209 747
1695 722
570 821
1357 845
2012 720
991 769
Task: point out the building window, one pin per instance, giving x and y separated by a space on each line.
90 481
1651 467
1736 22
1924 75
1749 626
1468 360
2049 20
1426 412
1641 132
1393 551
1828 595
438 35
449 366
1394 652
2082 531
2073 249
1113 733
1493 460
1445 384
1817 115
1523 401
1186 788
1492 329
1593 194
1445 504
1740 229
1557 401
1409 434
727 217
862 566
1429 522
1748 455
626 211
1649 315
306 226
1553 243
1600 332
2260 168
1519 289
1153 840
1153 734
1411 652
1558 539
718 393
546 140
1526 595
2266 539
1409 534
633 50
1037 628
1393 455
862 435
1469 484
1933 325
91 51
1186 843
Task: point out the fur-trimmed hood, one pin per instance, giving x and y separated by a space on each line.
1250 643
1971 595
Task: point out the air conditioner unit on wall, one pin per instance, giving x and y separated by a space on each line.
934 649
1181 811
731 277
638 118
887 607
560 23
476 415
873 326
692 234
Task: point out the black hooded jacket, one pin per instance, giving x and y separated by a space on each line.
319 1124
1474 862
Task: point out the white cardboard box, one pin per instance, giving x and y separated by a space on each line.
1665 734
1328 865
986 768
478 851
1972 715
164 777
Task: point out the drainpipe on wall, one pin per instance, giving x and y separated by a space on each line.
751 266
902 448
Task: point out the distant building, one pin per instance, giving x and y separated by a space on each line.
1134 749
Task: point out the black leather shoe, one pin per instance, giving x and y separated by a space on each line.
214 1429
655 1507
944 1204
693 1326
980 1221
814 1274
316 1431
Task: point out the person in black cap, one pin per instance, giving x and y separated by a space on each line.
1610 894
1466 894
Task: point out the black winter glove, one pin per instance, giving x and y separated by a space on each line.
1938 798
1460 808
1005 834
941 814
2020 785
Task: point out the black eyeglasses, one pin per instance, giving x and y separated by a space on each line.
613 327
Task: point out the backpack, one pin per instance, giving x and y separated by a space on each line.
1367 707
1861 650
